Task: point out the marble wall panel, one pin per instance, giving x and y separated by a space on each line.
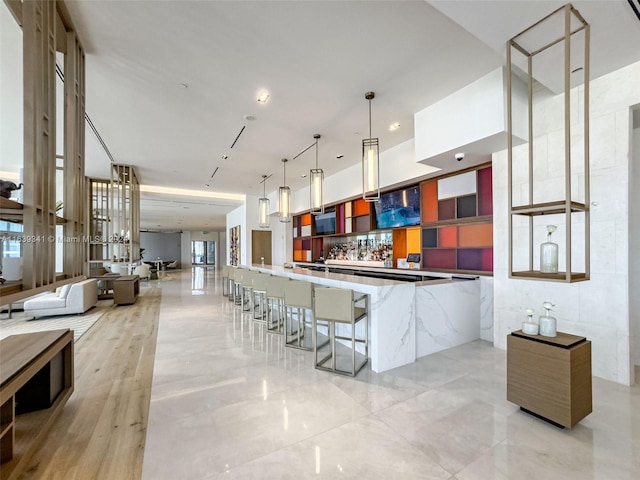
447 315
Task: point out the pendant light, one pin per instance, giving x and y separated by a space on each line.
263 205
284 196
370 162
316 185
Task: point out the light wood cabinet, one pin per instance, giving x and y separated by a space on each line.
550 377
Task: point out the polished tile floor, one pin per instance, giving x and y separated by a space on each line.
229 401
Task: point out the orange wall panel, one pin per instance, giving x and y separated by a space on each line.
413 240
429 205
448 237
475 235
360 207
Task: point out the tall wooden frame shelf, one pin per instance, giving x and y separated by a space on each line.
569 46
115 217
124 228
47 29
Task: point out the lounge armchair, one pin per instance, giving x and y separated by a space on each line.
143 271
173 264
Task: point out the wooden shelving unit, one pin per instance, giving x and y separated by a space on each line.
563 29
47 32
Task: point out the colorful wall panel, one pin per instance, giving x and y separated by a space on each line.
457 227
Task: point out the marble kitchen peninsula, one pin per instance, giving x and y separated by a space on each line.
407 319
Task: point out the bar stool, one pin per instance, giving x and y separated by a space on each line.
276 287
231 271
238 279
298 296
338 306
225 280
247 290
259 292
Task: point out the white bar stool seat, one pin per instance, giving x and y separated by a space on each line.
338 306
259 292
225 280
238 280
276 287
298 297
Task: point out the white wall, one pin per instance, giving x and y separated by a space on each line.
167 246
634 242
598 308
210 236
247 217
397 165
185 249
473 119
11 108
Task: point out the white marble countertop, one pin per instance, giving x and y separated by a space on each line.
396 271
362 284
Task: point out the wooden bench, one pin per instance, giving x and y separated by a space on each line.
36 380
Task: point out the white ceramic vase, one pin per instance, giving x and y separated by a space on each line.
548 325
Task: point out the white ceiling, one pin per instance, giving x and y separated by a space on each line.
317 59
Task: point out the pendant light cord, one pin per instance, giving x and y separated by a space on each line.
284 172
369 120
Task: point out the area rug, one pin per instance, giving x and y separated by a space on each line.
80 324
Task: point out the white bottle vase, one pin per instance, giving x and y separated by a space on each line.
530 328
548 325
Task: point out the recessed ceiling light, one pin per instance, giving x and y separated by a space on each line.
339 156
394 126
304 175
250 118
224 157
263 96
184 85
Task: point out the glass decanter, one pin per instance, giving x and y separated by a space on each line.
530 327
549 253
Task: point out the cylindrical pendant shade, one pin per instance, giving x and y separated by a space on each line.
284 203
263 212
370 170
316 187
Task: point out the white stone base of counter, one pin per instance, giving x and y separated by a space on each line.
447 315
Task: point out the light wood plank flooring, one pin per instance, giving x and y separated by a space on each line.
101 431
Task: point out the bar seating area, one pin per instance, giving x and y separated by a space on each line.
310 317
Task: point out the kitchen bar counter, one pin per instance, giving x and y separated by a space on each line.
407 319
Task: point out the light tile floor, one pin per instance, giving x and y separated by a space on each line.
230 402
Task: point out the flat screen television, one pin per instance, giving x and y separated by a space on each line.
325 223
398 209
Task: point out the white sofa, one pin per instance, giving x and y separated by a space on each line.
71 298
